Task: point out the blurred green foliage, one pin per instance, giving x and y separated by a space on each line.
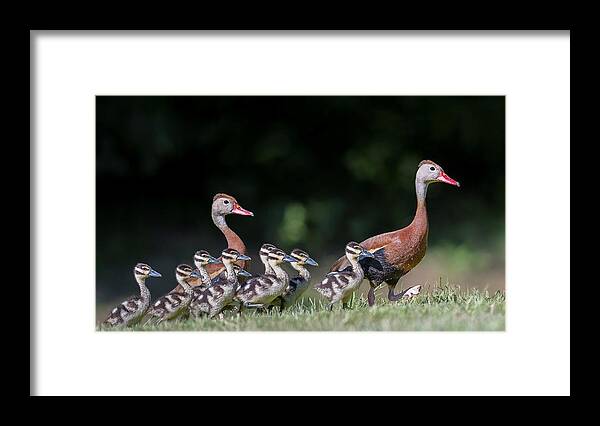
316 171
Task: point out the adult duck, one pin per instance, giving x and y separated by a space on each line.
397 252
222 206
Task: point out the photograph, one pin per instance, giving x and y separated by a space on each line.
300 213
378 209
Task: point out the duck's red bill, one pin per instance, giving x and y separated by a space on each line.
237 209
447 179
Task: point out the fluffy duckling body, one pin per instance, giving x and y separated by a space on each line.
298 284
214 298
172 305
340 285
264 289
132 310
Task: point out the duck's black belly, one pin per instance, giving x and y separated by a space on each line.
378 269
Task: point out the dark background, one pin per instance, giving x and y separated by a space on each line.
316 171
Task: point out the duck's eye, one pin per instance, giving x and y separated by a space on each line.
225 202
432 169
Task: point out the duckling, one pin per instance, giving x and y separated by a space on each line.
299 284
340 285
213 299
204 306
172 305
262 290
201 259
265 249
132 310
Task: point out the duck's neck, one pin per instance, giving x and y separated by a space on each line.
233 240
204 277
281 275
268 269
420 219
302 271
356 268
144 292
230 273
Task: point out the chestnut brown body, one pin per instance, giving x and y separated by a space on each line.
397 252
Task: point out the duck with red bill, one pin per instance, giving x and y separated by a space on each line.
237 209
397 252
443 177
222 206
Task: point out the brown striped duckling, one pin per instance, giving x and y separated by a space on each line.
340 285
201 259
298 284
214 298
132 310
174 304
262 290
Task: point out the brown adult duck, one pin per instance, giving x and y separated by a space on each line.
222 206
397 252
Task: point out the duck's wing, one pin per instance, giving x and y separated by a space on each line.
169 302
340 264
256 286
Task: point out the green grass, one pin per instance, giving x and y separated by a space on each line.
444 308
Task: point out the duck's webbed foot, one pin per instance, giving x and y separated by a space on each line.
409 292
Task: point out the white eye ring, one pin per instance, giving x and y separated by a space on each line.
225 201
432 169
